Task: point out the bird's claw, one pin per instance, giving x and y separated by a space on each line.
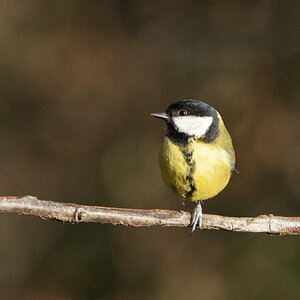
197 217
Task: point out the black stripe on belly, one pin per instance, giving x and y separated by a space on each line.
188 157
189 194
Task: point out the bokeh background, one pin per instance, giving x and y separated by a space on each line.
78 80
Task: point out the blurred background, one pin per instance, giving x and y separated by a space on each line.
78 81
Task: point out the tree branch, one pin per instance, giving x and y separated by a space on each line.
74 213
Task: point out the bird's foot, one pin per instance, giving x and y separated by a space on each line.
197 217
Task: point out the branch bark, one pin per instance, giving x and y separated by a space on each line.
74 213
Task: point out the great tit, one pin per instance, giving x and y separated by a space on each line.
196 157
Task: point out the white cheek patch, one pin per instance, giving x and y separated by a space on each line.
192 125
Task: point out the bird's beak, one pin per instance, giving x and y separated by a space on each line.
160 115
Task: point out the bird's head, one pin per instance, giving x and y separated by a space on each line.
190 119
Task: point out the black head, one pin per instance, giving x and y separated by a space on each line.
190 119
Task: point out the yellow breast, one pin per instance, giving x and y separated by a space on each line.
197 171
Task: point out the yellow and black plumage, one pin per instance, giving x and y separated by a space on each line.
196 157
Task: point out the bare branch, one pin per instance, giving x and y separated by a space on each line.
74 213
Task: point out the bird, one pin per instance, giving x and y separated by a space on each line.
196 157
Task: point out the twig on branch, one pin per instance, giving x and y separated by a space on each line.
74 213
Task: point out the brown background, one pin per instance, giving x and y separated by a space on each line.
78 81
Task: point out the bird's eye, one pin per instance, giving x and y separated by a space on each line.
182 112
